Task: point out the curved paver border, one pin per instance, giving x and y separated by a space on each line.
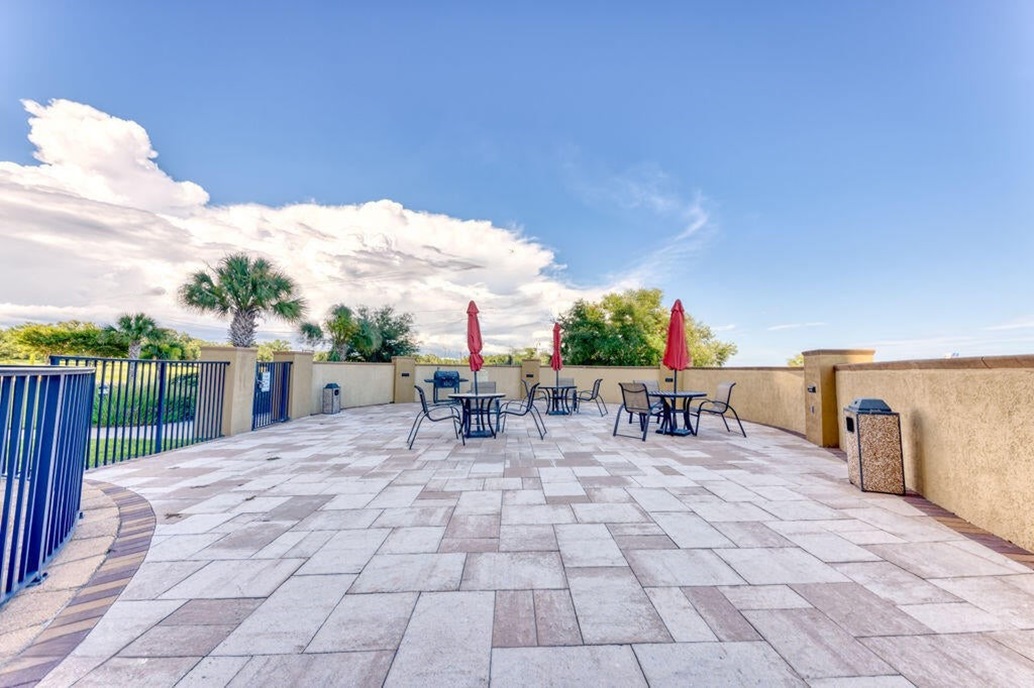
77 619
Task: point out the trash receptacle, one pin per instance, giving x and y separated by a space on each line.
874 459
332 398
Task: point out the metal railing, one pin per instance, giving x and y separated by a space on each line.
272 392
143 407
44 427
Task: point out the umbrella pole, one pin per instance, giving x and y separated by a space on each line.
675 387
475 382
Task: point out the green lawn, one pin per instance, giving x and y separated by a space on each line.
115 450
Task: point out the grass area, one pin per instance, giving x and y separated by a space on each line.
115 450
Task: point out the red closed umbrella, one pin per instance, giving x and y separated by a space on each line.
474 343
676 356
555 361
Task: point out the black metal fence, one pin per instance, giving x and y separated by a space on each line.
143 407
272 392
44 429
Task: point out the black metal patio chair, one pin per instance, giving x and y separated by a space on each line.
525 407
656 407
435 414
635 401
718 406
593 395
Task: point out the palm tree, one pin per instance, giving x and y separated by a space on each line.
133 331
337 331
245 289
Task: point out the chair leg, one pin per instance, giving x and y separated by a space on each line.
737 416
617 419
727 428
644 424
540 424
413 430
602 406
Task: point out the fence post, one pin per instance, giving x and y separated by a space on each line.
821 415
239 390
159 421
299 404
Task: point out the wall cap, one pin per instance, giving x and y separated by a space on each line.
968 363
228 347
839 352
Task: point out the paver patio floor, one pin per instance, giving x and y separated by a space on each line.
323 552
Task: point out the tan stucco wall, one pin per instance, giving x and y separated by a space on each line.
967 432
507 378
362 384
239 391
300 401
772 396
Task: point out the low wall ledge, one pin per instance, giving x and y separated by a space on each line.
970 363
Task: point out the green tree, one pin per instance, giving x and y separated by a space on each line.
385 334
170 345
796 362
9 351
267 349
246 289
131 331
336 332
38 341
364 334
630 329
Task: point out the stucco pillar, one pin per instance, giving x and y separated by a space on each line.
821 415
530 370
239 392
299 403
405 379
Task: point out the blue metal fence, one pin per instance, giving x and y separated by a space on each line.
44 426
143 407
272 391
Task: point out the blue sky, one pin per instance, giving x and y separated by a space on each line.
802 174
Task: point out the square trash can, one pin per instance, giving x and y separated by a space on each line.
332 398
873 437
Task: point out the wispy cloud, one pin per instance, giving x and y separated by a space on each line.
1023 323
794 326
97 229
648 189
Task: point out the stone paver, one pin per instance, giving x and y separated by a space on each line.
323 552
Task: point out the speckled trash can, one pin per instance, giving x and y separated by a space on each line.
873 438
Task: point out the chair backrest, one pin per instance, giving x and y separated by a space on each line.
724 392
485 387
635 398
569 381
596 388
651 385
423 397
529 400
529 389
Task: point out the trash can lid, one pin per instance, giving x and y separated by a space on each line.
865 405
332 385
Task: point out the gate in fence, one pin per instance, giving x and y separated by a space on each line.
272 391
143 407
44 426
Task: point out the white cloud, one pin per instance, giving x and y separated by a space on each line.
648 189
794 326
1017 324
98 229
